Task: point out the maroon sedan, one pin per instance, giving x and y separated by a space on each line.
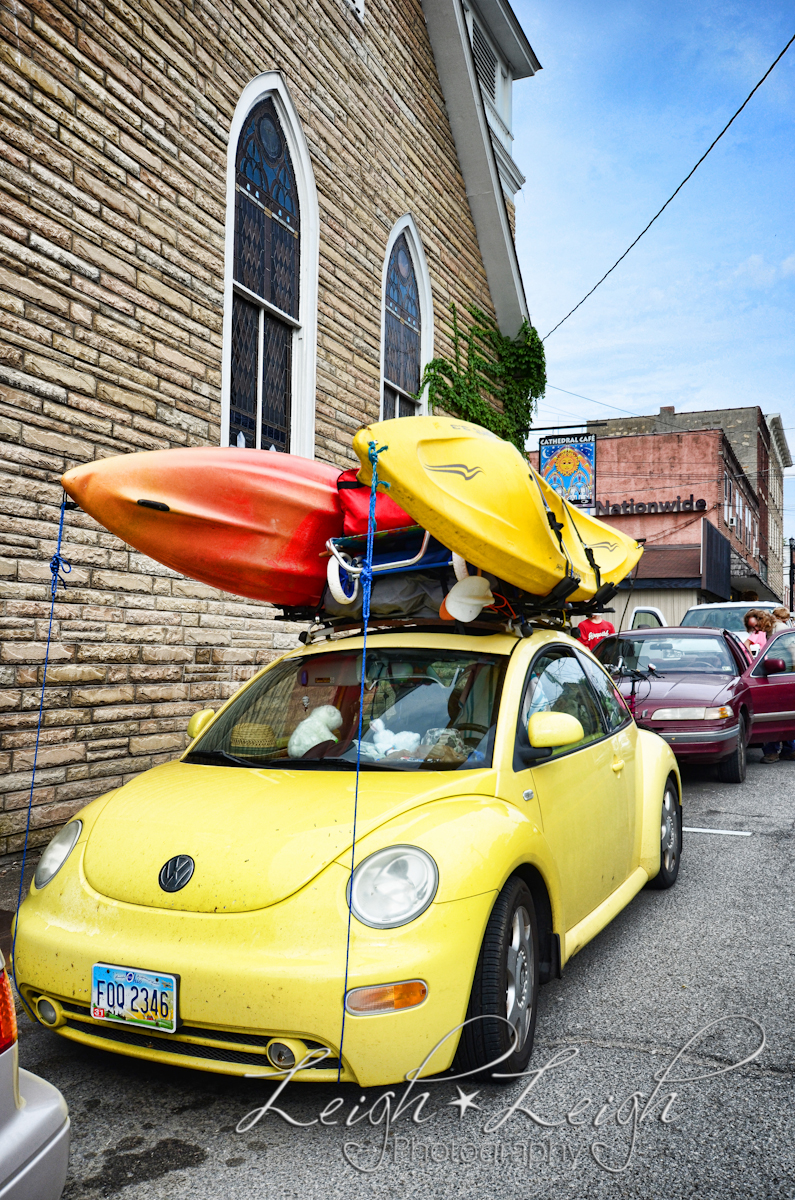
696 688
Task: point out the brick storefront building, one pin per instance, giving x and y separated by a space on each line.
218 224
760 454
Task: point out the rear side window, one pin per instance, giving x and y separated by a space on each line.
720 618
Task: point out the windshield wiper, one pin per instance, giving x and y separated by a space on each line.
218 758
324 764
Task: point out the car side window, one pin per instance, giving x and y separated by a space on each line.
782 647
556 682
610 698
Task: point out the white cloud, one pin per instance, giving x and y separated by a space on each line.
756 271
788 265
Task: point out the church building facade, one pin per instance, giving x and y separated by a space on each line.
228 224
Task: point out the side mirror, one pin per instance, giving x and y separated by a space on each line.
552 729
199 721
773 666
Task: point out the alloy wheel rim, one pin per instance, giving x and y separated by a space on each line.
668 832
519 991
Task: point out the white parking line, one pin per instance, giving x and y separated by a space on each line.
724 832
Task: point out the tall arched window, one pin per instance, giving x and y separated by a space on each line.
265 304
402 333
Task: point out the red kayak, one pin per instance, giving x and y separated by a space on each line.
251 522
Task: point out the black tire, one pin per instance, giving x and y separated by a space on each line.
732 769
511 936
670 839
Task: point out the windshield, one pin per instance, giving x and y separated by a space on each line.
670 654
721 618
423 709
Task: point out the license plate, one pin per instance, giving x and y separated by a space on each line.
147 999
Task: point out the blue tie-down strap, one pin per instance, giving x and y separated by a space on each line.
58 568
367 579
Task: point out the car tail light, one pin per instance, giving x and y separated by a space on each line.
8 1014
388 997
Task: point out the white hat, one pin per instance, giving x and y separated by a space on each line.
467 599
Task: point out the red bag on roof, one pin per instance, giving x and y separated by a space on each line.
355 502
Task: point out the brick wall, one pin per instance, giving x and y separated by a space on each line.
113 127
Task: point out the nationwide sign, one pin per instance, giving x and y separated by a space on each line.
625 508
568 464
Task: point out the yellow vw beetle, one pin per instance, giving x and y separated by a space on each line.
207 914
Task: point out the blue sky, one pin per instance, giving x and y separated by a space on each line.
701 313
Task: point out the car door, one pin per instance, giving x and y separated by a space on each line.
773 695
647 618
624 738
577 789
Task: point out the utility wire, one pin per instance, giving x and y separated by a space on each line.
681 185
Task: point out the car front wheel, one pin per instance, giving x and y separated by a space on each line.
670 839
502 1006
732 769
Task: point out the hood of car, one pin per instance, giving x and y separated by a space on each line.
254 836
681 690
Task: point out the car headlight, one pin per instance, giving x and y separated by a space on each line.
56 853
691 714
393 886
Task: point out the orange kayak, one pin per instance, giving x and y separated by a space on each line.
251 522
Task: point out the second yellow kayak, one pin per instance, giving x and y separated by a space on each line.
480 497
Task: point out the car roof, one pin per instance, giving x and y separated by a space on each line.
771 604
678 630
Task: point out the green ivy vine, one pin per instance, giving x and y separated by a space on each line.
490 380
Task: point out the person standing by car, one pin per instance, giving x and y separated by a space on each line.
755 633
784 750
782 619
593 629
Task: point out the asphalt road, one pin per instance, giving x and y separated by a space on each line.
711 960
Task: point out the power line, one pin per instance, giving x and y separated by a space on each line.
657 417
626 411
673 194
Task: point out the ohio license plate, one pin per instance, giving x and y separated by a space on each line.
142 998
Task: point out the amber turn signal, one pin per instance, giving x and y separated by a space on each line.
386 997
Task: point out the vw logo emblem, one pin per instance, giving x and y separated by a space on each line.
176 872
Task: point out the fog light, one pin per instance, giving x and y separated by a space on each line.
284 1053
49 1013
281 1055
386 997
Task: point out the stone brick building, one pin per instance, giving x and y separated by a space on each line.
218 222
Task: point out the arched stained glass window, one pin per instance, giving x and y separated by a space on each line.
402 356
266 272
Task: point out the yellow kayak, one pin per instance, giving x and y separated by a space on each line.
480 498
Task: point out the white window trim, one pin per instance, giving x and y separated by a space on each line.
406 224
270 84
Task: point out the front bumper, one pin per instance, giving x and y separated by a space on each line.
248 977
34 1136
703 744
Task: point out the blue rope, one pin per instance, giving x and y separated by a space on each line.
58 568
367 582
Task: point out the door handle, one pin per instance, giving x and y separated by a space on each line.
618 765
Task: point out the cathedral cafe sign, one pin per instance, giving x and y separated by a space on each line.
633 507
